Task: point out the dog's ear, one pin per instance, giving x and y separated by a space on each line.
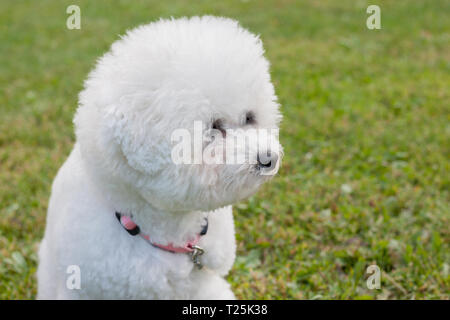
135 133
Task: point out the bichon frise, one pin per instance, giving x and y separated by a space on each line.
128 219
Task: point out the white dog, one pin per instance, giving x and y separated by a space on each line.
124 220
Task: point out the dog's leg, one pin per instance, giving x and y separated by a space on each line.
210 286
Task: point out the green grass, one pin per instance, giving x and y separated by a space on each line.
365 178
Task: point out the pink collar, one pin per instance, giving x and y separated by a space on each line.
189 247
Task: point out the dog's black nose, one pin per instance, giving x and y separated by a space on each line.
267 159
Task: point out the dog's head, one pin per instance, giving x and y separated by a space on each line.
183 113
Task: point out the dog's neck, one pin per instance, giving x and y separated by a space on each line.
163 226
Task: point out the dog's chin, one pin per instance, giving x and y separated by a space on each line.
203 198
202 203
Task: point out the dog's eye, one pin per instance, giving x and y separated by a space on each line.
250 118
218 125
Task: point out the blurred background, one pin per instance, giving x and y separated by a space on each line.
365 178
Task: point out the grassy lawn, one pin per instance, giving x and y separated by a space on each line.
365 178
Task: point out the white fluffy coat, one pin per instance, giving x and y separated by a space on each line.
159 77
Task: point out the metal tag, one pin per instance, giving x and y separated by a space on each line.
195 255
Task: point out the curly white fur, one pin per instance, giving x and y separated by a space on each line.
157 78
